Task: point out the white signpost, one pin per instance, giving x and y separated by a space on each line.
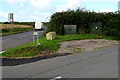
10 17
35 36
38 26
35 33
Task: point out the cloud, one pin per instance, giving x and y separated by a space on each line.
3 16
27 10
107 10
100 0
13 1
49 5
70 4
59 0
30 10
73 4
21 4
40 3
23 15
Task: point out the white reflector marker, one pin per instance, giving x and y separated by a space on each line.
2 52
59 77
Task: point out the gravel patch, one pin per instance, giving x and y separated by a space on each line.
77 46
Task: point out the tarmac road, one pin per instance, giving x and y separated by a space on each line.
11 41
102 63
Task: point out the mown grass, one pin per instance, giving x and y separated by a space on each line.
47 46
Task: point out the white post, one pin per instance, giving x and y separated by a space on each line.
37 39
36 34
33 38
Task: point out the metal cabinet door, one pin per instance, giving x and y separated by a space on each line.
69 29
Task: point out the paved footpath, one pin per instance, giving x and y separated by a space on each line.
102 63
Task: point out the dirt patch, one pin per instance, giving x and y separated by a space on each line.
77 46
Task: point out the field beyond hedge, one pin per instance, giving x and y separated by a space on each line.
6 29
7 26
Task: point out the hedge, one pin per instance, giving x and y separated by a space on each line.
83 20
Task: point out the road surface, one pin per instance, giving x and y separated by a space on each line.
102 63
12 41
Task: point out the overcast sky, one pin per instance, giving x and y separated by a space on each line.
41 10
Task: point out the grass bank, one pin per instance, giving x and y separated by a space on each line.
47 46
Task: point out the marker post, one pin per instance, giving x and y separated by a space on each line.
35 37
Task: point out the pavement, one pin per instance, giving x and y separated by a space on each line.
11 41
102 63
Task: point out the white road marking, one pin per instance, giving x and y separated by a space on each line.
59 77
2 52
5 40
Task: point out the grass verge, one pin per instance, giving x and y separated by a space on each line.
47 46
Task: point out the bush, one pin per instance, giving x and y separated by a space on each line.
82 19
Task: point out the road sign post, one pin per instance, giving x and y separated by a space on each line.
10 19
11 28
35 37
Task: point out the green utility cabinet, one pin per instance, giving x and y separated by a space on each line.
70 29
